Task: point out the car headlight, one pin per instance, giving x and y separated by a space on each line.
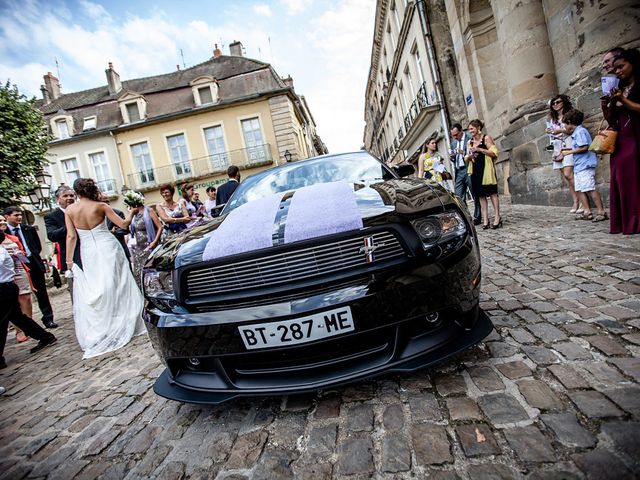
158 288
439 229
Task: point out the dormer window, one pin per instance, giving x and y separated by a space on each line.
61 126
89 123
132 112
133 107
205 95
205 90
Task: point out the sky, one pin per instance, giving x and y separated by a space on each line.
325 45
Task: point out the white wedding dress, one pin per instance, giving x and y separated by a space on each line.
107 304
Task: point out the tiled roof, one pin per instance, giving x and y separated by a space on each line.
219 68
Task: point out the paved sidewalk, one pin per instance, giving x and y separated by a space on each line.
552 393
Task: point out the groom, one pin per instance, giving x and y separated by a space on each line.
57 229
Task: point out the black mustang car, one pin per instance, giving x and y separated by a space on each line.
317 273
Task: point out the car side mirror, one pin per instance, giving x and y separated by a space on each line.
404 170
215 211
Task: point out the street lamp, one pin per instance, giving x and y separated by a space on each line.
287 155
40 196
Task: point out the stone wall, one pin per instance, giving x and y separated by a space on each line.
548 47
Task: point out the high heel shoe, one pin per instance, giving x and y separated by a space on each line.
486 226
497 225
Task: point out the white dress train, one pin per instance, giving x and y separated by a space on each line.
107 304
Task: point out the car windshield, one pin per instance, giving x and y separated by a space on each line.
359 167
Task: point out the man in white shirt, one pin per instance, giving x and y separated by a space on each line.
28 235
459 145
10 311
210 202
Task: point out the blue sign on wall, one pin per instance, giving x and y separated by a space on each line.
469 99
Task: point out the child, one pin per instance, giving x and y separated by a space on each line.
584 166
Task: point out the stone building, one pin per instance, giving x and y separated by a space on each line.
186 125
403 102
502 60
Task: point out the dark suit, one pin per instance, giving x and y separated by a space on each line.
37 269
120 233
462 180
57 233
225 191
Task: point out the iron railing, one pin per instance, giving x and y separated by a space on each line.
107 186
201 167
419 103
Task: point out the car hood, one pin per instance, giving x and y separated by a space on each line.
379 201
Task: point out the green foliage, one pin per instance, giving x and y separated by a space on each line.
23 144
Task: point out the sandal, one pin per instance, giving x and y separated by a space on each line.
585 216
600 218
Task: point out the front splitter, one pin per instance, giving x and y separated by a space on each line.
166 387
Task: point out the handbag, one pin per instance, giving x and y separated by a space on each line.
605 140
489 174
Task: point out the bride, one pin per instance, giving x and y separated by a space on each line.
107 304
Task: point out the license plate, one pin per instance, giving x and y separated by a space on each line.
301 330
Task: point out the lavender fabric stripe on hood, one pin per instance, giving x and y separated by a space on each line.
322 209
248 227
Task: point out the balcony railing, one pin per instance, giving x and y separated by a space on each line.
107 186
417 106
200 167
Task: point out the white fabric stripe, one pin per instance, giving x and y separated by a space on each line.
322 209
248 227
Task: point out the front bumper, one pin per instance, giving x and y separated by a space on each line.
405 319
421 351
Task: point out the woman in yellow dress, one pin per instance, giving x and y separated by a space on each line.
431 164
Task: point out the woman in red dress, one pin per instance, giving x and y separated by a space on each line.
622 111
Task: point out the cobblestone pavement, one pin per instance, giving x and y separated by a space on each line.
552 393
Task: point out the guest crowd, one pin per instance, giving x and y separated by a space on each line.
473 154
22 269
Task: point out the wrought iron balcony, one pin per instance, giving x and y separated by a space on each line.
107 186
419 104
201 167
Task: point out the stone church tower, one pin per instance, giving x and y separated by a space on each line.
502 60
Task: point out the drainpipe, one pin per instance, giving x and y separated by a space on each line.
435 74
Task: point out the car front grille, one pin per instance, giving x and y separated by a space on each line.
294 265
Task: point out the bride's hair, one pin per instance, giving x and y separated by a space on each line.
87 188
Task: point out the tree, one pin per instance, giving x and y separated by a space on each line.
23 144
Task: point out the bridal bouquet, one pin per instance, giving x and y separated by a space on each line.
133 199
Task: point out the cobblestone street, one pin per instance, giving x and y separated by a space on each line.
552 393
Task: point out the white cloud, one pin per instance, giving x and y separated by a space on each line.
27 77
295 7
95 11
326 51
262 9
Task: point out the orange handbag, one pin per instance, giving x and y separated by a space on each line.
605 140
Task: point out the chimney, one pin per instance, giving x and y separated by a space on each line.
113 80
235 49
288 81
45 94
217 53
52 85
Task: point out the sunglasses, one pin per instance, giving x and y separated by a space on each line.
557 102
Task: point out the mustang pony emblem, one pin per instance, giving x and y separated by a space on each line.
369 248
